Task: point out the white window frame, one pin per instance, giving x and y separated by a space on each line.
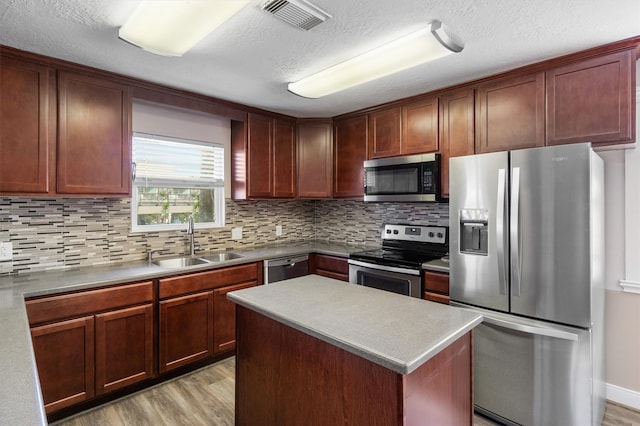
219 192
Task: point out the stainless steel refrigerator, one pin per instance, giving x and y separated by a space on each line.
527 250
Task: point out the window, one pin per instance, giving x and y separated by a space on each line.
176 178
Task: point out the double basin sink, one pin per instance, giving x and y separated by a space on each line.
186 261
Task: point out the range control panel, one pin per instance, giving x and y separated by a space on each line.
420 233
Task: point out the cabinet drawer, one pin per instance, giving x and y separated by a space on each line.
71 305
185 284
332 263
436 297
437 282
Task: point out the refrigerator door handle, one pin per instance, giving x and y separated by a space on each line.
500 235
532 329
515 231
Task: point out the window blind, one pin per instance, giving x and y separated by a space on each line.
164 162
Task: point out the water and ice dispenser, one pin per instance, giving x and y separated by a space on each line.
474 231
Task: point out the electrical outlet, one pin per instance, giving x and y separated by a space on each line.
236 233
278 230
6 251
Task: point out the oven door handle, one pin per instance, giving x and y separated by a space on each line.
385 267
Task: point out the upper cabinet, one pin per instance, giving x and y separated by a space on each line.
349 153
270 158
94 136
385 133
315 158
27 127
408 129
87 154
420 126
284 159
260 157
592 100
456 130
510 113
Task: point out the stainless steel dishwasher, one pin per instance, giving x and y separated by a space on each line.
284 268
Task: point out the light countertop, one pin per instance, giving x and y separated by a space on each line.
397 332
20 396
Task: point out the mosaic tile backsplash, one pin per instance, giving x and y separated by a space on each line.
67 232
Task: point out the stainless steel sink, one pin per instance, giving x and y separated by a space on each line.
220 257
179 262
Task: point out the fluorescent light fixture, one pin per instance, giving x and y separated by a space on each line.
173 27
425 45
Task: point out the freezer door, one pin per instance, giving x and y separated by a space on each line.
478 243
535 376
551 233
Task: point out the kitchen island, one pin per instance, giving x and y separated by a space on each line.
314 350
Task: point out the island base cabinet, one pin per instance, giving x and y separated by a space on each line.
66 373
286 377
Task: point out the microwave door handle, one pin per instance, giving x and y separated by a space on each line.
500 234
516 262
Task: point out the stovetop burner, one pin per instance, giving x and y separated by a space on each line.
408 246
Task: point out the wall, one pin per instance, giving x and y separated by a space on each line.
357 222
61 233
622 311
65 232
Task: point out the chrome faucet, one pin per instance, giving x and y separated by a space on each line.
190 231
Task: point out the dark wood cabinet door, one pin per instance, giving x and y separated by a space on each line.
314 159
224 318
384 133
64 354
27 127
349 153
124 347
436 286
284 154
510 114
94 136
592 101
329 266
456 130
186 330
260 157
420 126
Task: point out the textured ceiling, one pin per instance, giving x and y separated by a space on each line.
252 57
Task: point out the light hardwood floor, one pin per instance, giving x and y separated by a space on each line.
206 397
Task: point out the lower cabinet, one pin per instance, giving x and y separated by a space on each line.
224 318
65 357
93 342
196 319
186 330
89 343
329 266
124 347
436 286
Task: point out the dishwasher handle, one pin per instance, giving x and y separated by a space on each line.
286 261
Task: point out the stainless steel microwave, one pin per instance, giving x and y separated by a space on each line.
403 179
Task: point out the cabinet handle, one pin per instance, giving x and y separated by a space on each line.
133 171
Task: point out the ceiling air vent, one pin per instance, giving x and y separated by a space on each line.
298 13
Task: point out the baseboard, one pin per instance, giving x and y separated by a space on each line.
623 396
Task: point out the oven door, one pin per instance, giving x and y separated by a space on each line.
390 278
